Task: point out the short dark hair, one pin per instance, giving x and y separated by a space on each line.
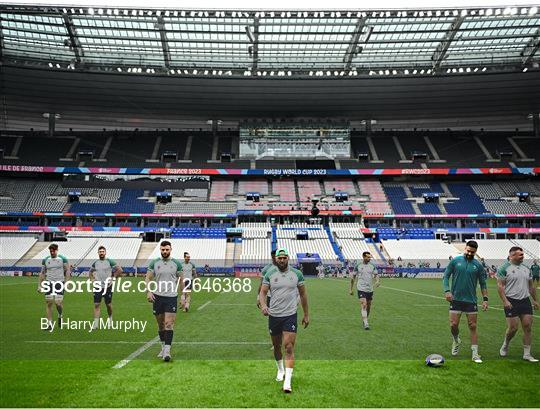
165 243
186 253
366 252
102 248
472 243
53 246
515 248
273 253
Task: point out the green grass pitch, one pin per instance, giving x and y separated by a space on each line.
222 356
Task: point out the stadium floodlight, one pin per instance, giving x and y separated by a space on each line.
182 13
246 73
214 72
422 72
289 14
259 73
468 69
311 73
387 72
115 12
428 71
525 69
342 73
497 12
172 72
448 70
371 72
264 73
220 72
186 72
271 73
381 72
175 13
489 12
447 13
429 13
51 64
119 69
454 70
205 72
460 69
158 13
463 13
338 14
421 14
126 12
91 11
328 73
200 14
100 11
475 69
406 72
414 72
438 13
195 72
533 11
57 65
484 69
394 72
64 11
289 73
336 73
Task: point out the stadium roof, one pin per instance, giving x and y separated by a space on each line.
272 43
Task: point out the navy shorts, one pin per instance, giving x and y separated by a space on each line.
519 307
277 325
463 307
365 294
164 304
55 291
98 295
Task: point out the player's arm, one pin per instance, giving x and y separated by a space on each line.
195 274
67 269
501 284
41 276
116 268
532 292
449 270
180 275
482 276
262 298
91 272
353 281
147 278
304 301
377 278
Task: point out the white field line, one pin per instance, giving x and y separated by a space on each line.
136 353
140 342
204 305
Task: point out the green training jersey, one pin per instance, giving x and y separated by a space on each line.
284 286
102 270
516 280
54 267
466 275
166 273
535 270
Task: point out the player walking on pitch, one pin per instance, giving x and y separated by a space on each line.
56 271
364 274
190 273
515 284
535 270
102 272
466 273
285 283
166 273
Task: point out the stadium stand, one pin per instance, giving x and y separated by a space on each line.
220 189
13 248
285 190
417 251
468 202
74 249
332 186
307 189
397 198
122 250
203 251
378 202
254 185
129 201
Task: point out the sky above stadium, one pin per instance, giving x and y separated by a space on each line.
283 4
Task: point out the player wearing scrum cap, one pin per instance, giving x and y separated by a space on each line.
285 283
515 285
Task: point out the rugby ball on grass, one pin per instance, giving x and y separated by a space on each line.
434 360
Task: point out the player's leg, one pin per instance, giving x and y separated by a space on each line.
455 317
48 310
472 322
277 342
159 313
289 339
108 304
526 323
168 323
363 309
511 329
187 302
59 301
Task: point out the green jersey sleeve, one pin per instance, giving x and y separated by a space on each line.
112 262
64 259
299 275
447 274
501 272
151 265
